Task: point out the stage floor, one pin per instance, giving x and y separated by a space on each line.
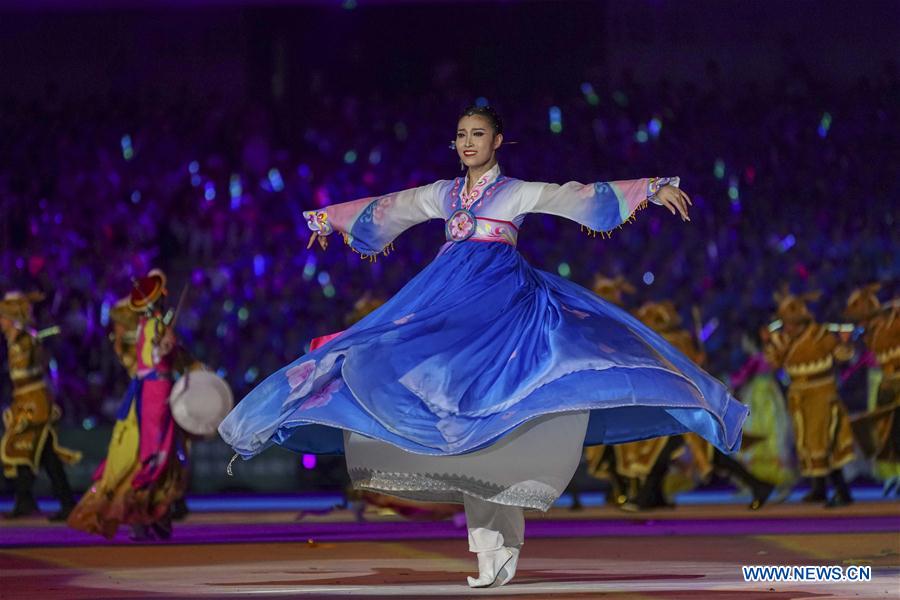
691 552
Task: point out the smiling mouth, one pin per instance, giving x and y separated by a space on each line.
470 153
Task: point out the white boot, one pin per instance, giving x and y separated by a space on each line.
509 570
493 568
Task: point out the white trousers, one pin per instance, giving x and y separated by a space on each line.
528 467
492 526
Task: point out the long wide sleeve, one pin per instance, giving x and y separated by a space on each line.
600 206
369 225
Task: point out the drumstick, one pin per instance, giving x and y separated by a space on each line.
46 332
180 305
38 334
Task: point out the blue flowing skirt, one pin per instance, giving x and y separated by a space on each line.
476 344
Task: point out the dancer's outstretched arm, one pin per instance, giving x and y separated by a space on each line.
369 225
605 205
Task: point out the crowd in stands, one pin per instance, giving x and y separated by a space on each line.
793 182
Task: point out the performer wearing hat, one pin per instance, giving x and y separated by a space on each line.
823 438
646 462
705 459
144 473
30 439
879 429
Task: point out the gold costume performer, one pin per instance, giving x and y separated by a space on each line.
806 350
879 430
654 456
30 440
648 461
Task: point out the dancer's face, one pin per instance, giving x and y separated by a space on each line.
476 141
794 328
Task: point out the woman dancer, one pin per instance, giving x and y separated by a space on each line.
480 380
143 474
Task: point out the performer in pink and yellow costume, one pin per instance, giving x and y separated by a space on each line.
144 472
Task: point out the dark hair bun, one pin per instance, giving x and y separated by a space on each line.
488 113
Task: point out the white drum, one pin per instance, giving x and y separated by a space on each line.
200 400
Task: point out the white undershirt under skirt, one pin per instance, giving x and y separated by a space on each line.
529 467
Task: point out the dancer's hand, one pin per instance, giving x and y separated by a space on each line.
167 343
323 241
675 200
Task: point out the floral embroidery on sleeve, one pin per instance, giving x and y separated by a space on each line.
317 220
300 379
323 396
380 208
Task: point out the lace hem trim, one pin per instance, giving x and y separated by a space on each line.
449 487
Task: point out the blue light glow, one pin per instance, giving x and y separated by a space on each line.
275 180
589 94
235 190
788 242
555 115
708 329
127 148
309 269
733 191
824 125
719 168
